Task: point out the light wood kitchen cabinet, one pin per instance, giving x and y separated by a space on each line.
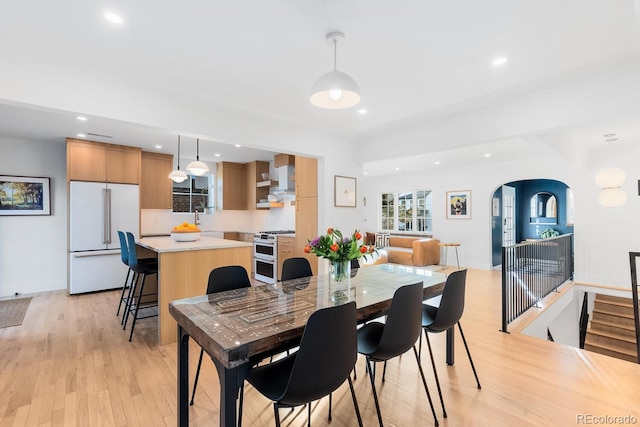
155 186
306 228
99 162
283 160
306 177
230 186
286 249
253 175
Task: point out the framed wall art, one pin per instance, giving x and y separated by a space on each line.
459 204
24 195
344 191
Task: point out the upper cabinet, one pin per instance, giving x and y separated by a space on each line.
99 162
306 177
253 175
230 194
155 186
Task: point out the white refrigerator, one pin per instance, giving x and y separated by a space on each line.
96 212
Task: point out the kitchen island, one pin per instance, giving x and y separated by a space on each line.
183 270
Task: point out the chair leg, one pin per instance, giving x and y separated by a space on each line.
241 404
355 402
469 354
371 372
330 405
435 372
384 370
195 382
309 414
135 315
424 382
124 289
131 293
277 414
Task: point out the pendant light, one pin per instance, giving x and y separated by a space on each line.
335 89
177 175
197 168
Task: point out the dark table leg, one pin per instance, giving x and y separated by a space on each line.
230 381
450 348
183 378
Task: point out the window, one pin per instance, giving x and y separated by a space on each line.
413 211
193 193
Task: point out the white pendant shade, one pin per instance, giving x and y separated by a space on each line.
612 197
335 90
197 168
610 177
177 176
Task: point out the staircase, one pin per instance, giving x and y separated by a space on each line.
612 331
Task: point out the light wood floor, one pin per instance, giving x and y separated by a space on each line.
70 363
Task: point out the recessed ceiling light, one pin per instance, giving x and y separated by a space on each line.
487 155
397 169
158 146
609 135
82 135
112 17
82 118
499 61
365 173
362 111
217 154
437 162
238 145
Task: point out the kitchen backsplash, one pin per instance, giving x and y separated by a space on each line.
160 221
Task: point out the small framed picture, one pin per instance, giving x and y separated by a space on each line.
344 191
24 195
459 204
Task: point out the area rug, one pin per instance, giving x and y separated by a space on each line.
12 311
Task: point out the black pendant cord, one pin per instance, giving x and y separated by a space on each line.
198 149
178 152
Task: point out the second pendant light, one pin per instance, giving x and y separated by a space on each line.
197 168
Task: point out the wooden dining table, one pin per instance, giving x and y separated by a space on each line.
239 328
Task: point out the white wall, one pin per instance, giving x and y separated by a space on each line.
33 249
603 236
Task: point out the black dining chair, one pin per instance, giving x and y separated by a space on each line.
124 256
445 316
327 354
295 268
135 302
222 279
380 342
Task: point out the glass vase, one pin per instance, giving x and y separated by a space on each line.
340 270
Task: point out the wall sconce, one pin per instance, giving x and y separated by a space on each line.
610 180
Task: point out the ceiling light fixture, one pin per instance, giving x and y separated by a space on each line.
82 118
499 61
197 168
335 89
177 175
112 17
362 111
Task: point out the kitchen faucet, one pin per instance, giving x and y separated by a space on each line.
196 220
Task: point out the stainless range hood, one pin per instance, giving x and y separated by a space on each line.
286 179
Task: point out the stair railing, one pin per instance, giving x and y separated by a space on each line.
634 296
532 270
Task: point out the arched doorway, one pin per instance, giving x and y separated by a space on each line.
522 210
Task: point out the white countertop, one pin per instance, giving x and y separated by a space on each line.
167 244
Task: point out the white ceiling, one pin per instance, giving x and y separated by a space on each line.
411 59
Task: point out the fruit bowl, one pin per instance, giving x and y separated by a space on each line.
185 236
185 232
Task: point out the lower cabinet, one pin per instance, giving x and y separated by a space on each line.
286 249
